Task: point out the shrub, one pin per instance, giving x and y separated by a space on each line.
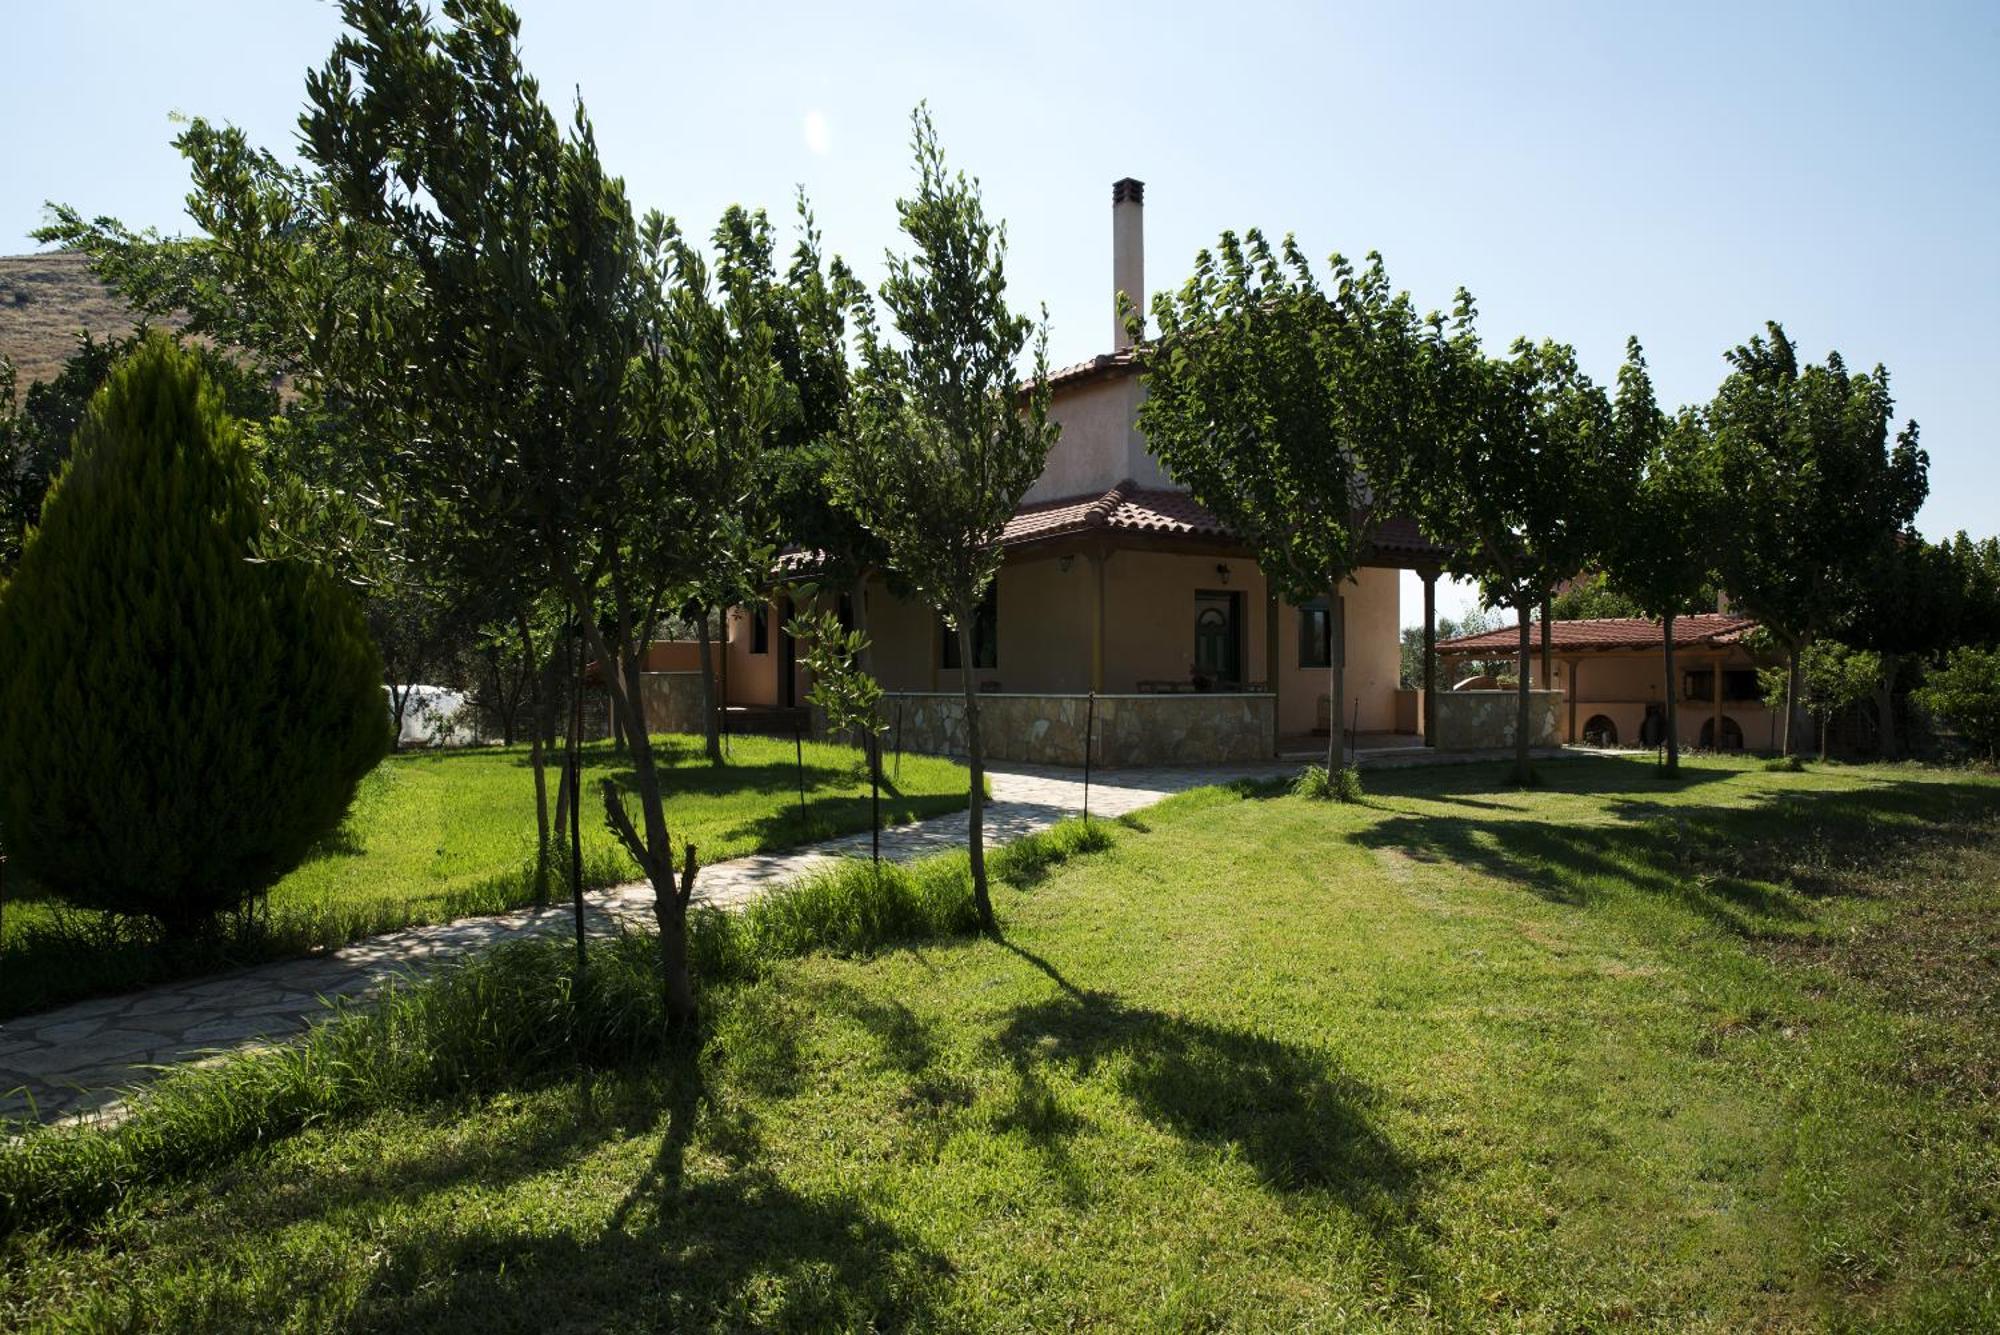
1785 765
1965 692
181 720
1343 785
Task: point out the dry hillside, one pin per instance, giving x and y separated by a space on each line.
45 302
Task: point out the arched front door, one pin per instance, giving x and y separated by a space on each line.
1218 637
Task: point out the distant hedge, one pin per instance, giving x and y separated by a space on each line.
180 720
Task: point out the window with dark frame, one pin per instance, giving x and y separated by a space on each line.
1739 685
985 634
760 630
1315 634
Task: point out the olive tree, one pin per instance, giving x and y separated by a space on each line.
943 437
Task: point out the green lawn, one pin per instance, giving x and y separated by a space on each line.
436 835
1713 1055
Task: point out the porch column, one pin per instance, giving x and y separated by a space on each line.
1096 621
1575 666
1717 725
1430 577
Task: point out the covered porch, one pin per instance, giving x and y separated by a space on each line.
1609 674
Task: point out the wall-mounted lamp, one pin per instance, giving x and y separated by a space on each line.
1064 563
1222 572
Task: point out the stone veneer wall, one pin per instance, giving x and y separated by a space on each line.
1191 729
673 701
1485 720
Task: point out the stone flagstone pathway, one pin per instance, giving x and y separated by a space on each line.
83 1059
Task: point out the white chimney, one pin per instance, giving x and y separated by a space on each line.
1128 253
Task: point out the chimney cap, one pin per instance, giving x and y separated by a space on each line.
1128 188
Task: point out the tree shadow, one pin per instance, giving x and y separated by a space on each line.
1288 1111
732 1248
1753 869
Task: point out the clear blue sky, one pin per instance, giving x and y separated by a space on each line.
1680 172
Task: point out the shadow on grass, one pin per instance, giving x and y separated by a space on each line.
1754 870
734 1247
1288 1111
731 1249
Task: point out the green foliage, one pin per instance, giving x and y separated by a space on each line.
1342 785
849 697
182 719
35 436
1518 467
1590 597
1965 693
1832 677
435 836
1274 403
511 1016
507 1019
944 439
1661 530
1813 494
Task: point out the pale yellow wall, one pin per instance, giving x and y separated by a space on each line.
752 678
1149 615
1046 633
1374 658
1100 445
899 634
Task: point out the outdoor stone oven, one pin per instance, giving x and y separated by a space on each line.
1180 729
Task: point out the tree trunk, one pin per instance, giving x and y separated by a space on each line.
975 822
535 757
1336 683
399 701
1673 703
654 850
676 978
1885 709
1523 771
1791 700
858 600
711 719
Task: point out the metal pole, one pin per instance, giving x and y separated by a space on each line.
1089 728
899 741
875 796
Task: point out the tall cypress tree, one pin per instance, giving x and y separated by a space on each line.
182 718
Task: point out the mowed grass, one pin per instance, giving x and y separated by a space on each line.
437 835
1613 1052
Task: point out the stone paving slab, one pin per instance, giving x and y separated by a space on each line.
83 1060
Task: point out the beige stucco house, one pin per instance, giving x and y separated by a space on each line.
1117 584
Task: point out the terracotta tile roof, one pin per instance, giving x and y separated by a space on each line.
1708 630
1104 364
1129 508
